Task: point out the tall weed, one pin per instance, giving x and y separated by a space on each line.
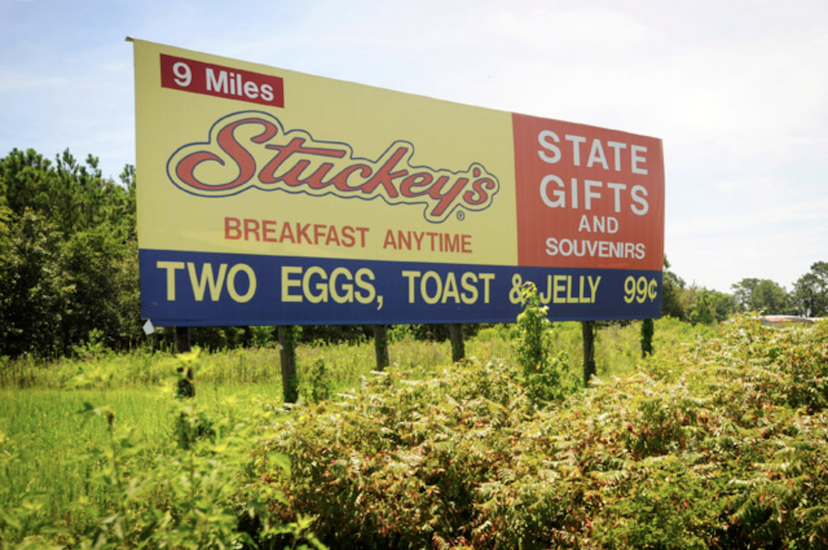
716 444
123 474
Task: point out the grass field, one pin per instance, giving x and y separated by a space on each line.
80 437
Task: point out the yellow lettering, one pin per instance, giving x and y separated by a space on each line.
557 284
207 279
321 287
570 299
348 297
371 293
593 288
468 281
411 276
171 268
288 283
450 290
486 278
231 283
431 300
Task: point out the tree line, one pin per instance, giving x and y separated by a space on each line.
69 269
807 298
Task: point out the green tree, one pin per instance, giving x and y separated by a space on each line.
5 231
124 205
743 293
809 296
760 295
6 241
27 180
69 258
101 278
72 196
33 289
711 306
671 288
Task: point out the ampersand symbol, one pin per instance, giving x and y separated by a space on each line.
515 294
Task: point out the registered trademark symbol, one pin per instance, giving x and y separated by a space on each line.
461 215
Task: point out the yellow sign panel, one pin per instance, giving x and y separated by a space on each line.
338 171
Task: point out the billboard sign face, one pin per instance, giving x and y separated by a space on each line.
267 196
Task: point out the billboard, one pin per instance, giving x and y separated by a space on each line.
268 196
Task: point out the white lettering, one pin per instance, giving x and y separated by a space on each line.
596 154
543 142
576 148
637 159
216 83
560 196
645 206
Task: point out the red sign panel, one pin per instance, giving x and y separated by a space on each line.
214 80
587 197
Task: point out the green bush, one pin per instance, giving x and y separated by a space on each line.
717 440
316 385
397 462
546 377
533 342
717 444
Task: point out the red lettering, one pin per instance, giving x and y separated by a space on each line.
419 179
340 181
445 200
284 152
362 232
231 229
302 231
292 177
389 240
318 232
185 170
452 243
332 237
479 193
405 241
428 240
287 234
268 229
348 239
251 226
274 159
314 181
385 177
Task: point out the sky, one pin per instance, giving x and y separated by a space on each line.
737 90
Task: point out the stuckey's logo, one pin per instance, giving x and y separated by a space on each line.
251 149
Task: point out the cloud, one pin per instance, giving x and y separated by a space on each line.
18 82
737 90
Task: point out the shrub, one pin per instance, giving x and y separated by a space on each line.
316 383
398 462
533 342
720 444
547 378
